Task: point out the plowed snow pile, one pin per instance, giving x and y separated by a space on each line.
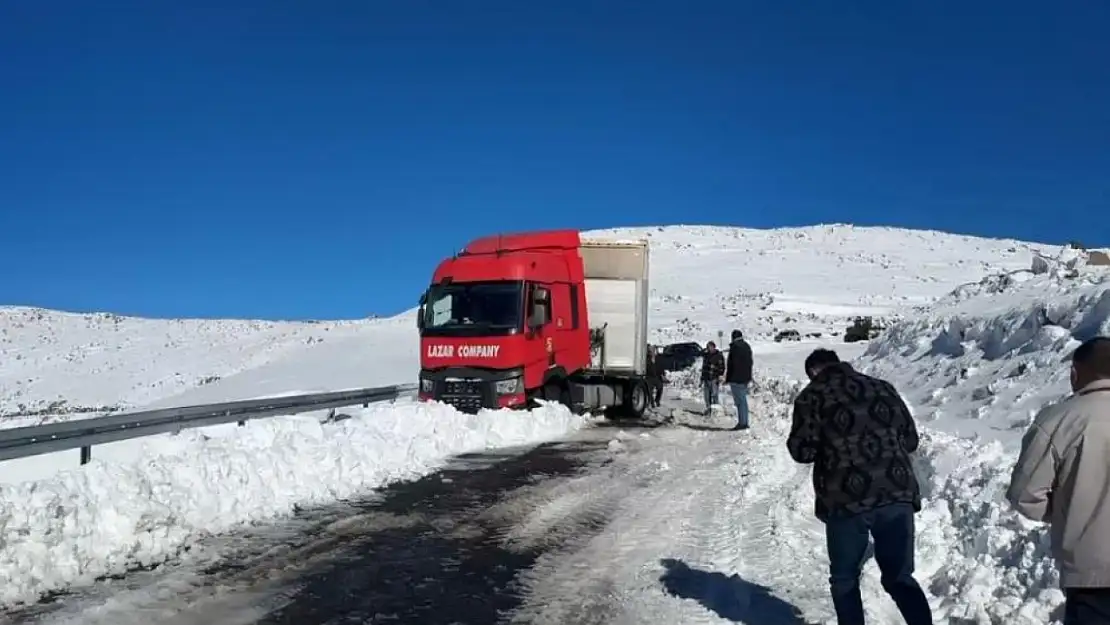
109 516
979 365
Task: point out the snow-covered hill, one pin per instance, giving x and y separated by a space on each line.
813 279
986 357
60 362
705 280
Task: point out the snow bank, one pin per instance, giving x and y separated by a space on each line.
978 560
988 356
985 563
976 368
106 518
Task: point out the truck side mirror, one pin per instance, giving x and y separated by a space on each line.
420 311
538 317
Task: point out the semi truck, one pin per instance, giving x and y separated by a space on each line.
546 315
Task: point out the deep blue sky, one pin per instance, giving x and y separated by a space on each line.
287 159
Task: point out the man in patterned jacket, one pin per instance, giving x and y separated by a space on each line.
858 434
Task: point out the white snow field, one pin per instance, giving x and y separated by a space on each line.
55 364
726 504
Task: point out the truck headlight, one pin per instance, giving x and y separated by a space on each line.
512 386
426 385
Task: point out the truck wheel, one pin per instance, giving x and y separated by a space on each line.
553 391
636 399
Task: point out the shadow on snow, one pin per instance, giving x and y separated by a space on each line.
729 596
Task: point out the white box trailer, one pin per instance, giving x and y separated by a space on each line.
616 283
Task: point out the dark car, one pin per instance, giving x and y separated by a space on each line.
679 356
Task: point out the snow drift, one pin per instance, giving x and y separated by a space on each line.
976 368
108 517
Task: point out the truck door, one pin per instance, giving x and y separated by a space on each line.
539 322
558 334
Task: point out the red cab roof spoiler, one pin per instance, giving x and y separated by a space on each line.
515 242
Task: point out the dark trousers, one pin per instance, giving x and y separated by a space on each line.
656 387
1086 606
892 527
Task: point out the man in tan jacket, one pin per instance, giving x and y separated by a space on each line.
1062 477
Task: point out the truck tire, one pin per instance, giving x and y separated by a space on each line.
557 391
636 399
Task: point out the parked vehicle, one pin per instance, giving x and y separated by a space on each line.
679 356
541 315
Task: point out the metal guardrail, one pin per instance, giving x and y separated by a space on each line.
82 434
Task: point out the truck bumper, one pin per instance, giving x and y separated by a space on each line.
469 390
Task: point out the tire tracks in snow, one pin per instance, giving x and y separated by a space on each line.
696 511
782 543
711 527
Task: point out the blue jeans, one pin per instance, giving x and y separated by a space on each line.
709 390
892 527
740 398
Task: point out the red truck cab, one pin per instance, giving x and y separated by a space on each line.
506 321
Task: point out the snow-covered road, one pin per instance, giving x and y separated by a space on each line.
712 526
687 522
683 523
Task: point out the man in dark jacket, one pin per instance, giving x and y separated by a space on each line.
712 371
859 434
656 376
738 374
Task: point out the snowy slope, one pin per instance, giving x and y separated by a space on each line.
976 368
704 280
988 356
55 362
812 279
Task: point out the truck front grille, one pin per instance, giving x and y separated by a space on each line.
464 395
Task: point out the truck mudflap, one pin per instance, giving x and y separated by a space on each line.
470 389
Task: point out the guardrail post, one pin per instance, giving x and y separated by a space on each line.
86 454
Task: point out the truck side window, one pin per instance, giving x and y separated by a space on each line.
574 307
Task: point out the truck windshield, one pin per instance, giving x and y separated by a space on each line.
470 308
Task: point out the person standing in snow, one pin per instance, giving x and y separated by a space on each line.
1062 477
712 372
859 434
738 374
656 376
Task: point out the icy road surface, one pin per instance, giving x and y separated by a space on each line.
683 523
